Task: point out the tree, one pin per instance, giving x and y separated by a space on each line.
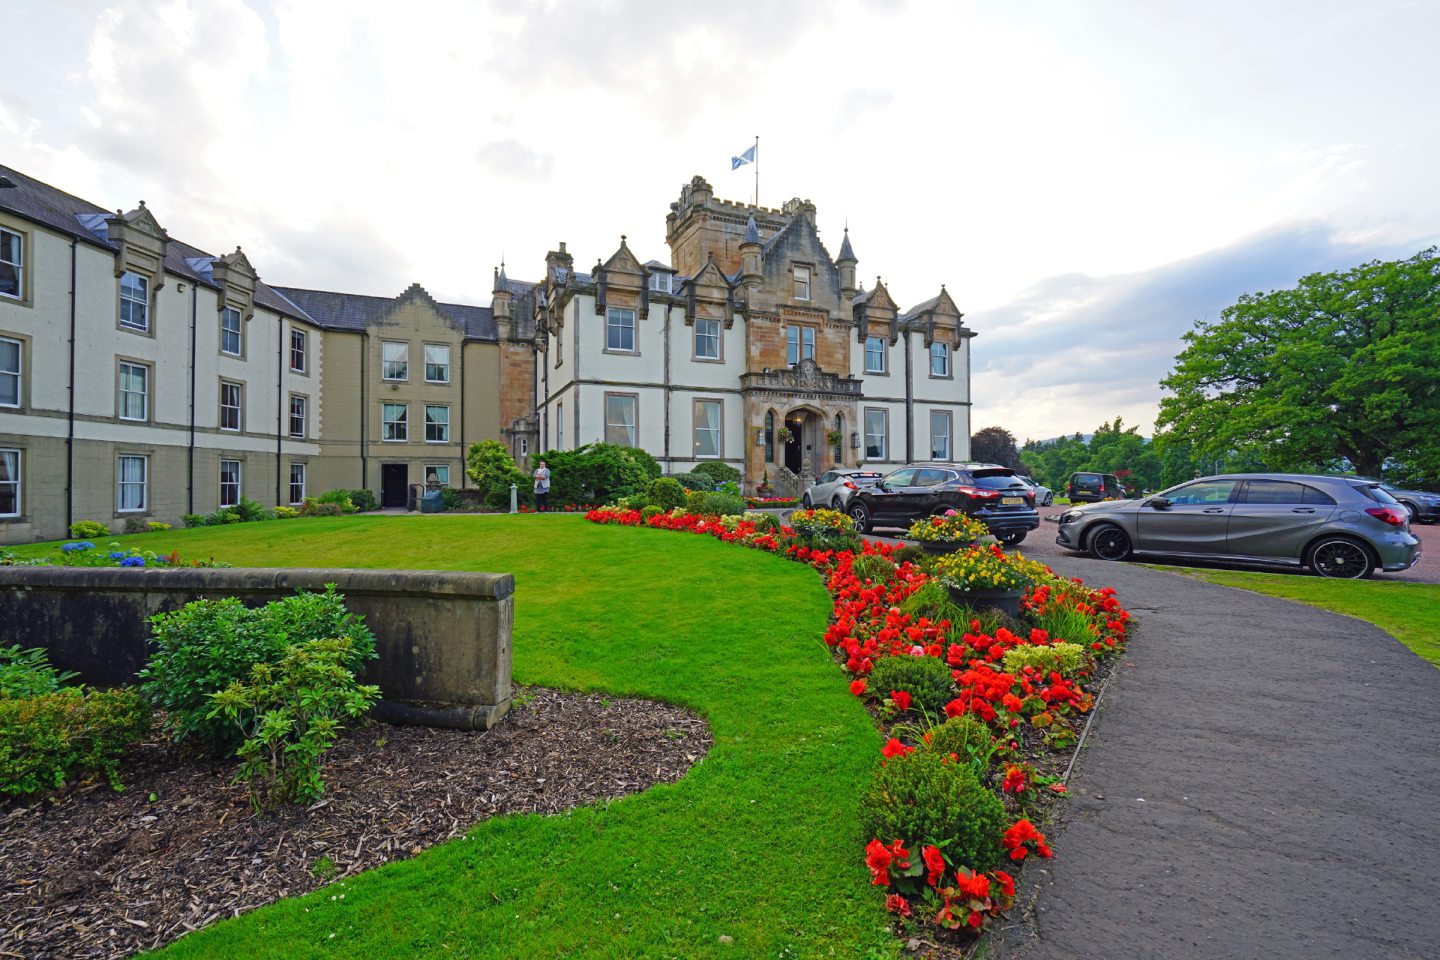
492 470
995 445
1344 366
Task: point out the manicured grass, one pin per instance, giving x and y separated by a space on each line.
758 843
1410 612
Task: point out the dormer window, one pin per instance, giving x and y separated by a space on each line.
802 282
620 330
939 359
660 281
134 301
874 355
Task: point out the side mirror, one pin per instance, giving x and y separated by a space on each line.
1159 503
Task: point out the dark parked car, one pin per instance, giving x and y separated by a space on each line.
1424 507
990 493
1087 487
1337 526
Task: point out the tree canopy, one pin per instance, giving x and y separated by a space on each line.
995 445
1345 366
1112 448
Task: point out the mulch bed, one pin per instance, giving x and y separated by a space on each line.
93 873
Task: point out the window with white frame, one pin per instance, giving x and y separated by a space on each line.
707 428
799 344
297 483
437 423
874 354
132 475
939 435
9 372
231 341
939 359
299 351
395 422
229 483
232 397
620 416
9 483
802 282
134 399
12 264
394 360
620 329
134 301
707 339
440 471
298 403
437 363
877 427
523 447
660 281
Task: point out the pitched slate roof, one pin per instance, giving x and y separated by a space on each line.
920 308
846 253
355 311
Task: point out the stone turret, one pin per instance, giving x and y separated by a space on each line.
750 247
846 261
501 303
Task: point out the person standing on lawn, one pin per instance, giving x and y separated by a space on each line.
542 487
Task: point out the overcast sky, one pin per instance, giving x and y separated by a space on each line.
1088 179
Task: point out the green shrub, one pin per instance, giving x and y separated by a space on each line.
28 673
206 645
489 465
967 737
933 600
1063 622
193 519
1067 659
721 504
67 734
926 679
765 522
156 526
666 493
338 498
693 500
717 471
286 513
874 568
363 500
136 525
909 554
922 797
287 715
693 481
249 511
85 529
314 508
597 473
650 511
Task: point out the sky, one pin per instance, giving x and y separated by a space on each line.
1087 179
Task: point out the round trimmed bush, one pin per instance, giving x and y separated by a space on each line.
717 472
666 493
651 511
693 481
721 505
926 679
874 568
967 737
923 797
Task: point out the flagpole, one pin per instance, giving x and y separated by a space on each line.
757 169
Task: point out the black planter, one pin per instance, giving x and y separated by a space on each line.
1006 601
939 548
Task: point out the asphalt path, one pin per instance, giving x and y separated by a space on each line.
1259 781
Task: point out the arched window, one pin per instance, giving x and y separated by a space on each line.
840 444
770 437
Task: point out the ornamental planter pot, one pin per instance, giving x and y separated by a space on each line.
942 547
1006 601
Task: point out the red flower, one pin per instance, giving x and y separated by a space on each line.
877 858
1021 837
975 920
894 748
1059 788
1015 780
973 885
955 708
901 700
1012 703
857 687
934 863
897 904
1007 882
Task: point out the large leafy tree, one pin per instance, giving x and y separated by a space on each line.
995 445
1343 366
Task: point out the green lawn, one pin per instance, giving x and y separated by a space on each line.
758 843
1410 612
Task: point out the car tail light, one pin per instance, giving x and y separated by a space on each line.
1396 518
850 486
978 494
1030 495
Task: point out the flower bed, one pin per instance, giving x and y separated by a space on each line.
771 503
979 712
84 553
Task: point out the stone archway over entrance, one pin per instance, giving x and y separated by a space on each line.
805 451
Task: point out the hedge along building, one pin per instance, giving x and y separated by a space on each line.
753 347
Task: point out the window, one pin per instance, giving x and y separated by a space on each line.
134 391
799 343
437 363
939 435
229 483
559 426
437 423
839 448
1206 491
1273 491
939 359
297 483
9 483
441 472
12 264
230 340
134 301
660 281
231 399
9 372
876 428
523 447
394 360
297 415
620 418
620 329
802 283
770 437
395 422
707 428
874 354
707 339
131 477
299 349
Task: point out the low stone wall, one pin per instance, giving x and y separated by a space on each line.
443 637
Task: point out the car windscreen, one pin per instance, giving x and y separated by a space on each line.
995 479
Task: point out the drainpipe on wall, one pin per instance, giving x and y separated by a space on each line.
190 448
280 404
669 466
364 404
70 429
909 401
463 448
575 377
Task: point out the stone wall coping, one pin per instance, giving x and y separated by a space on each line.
350 582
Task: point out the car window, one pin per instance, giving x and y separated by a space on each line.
827 477
1086 479
1272 491
993 480
904 477
1375 492
1205 491
930 478
1309 495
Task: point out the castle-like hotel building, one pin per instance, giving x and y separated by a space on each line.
144 377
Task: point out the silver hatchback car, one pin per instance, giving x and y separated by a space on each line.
1336 526
834 487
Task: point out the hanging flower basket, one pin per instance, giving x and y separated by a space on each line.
835 437
784 435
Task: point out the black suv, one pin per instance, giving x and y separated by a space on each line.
990 493
1088 487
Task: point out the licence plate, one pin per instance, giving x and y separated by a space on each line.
1012 501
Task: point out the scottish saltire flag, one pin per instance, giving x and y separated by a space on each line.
747 157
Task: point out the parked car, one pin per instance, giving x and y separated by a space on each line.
1337 526
1087 487
1424 507
990 493
834 488
1044 496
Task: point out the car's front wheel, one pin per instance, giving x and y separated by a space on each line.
1011 538
1341 558
837 505
1049 499
1109 542
860 515
805 500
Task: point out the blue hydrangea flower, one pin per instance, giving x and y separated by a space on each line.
117 555
72 547
132 562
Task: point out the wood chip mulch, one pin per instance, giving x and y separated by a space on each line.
93 873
